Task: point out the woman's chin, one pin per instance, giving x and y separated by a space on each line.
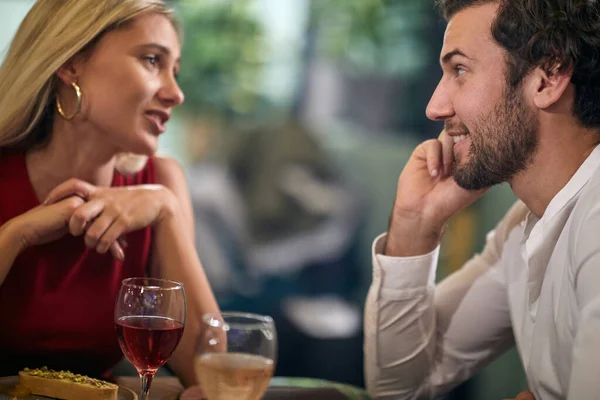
130 163
148 146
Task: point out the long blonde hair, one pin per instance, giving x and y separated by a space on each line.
52 33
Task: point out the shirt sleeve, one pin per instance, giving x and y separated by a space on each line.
584 382
420 339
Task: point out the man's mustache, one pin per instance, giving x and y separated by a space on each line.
456 128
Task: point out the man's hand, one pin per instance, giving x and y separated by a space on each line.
525 395
427 197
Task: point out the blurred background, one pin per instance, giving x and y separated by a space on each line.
299 117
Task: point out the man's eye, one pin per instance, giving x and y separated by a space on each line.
459 70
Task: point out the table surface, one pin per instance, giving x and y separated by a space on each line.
163 387
169 388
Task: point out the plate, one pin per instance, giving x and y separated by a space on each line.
351 392
9 382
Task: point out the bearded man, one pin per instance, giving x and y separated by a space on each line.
520 100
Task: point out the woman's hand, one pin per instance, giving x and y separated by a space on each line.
40 225
44 223
108 213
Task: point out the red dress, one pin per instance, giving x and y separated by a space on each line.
57 302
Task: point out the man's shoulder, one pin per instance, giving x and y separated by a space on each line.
516 214
584 218
512 219
588 203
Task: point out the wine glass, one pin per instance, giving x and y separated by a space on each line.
236 355
149 318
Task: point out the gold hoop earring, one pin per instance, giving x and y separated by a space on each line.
77 109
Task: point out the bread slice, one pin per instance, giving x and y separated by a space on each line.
66 385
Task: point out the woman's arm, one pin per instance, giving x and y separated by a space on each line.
10 248
108 213
174 257
42 224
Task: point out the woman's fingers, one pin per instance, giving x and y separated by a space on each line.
72 187
105 234
108 213
123 242
66 208
83 217
117 251
102 228
97 229
111 236
62 212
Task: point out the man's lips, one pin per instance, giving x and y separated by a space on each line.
459 137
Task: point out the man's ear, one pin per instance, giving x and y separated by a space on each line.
550 85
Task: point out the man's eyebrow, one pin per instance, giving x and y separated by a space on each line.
159 47
448 56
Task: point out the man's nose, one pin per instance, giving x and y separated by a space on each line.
440 107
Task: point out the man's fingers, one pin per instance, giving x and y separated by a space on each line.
433 156
447 152
72 187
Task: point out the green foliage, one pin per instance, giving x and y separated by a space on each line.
221 56
380 36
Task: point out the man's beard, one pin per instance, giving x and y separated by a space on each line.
502 144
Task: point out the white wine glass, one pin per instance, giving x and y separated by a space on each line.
236 355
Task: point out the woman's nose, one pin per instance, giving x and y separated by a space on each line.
171 93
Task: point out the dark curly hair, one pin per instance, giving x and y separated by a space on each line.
555 35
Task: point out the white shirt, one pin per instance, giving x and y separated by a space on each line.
536 284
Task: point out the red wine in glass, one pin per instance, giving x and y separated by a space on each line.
148 342
149 320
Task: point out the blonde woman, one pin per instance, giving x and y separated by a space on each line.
84 82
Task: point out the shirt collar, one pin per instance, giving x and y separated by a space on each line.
574 186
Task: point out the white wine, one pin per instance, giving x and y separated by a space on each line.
233 376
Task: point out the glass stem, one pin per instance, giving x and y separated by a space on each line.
146 381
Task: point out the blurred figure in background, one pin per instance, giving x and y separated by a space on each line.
520 99
85 83
295 118
278 227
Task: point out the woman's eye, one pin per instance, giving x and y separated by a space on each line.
152 60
